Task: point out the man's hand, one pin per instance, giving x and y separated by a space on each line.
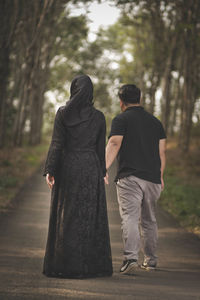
106 179
50 181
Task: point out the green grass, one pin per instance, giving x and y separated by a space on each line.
182 200
16 165
7 182
33 158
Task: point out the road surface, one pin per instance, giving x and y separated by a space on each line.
23 232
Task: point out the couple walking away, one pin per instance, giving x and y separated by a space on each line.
78 243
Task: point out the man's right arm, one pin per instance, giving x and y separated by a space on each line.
112 149
162 150
115 140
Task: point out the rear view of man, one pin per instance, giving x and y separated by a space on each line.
138 139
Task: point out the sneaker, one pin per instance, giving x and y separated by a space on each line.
128 266
148 266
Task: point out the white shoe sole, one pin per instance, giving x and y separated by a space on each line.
130 270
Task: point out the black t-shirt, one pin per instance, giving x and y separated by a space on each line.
139 152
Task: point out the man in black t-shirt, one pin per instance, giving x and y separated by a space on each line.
138 140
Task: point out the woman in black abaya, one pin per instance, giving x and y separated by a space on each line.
78 244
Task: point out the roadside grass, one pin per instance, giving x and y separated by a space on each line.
16 165
181 196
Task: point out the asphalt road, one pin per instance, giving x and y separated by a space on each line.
23 232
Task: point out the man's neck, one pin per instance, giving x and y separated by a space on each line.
130 105
133 104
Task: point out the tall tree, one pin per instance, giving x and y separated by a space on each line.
191 68
174 33
29 32
36 19
8 21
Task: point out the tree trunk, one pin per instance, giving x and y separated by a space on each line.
34 31
8 19
24 96
4 74
155 81
166 103
37 99
190 73
177 101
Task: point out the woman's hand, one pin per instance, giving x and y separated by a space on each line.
50 180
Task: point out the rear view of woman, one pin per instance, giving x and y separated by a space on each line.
78 244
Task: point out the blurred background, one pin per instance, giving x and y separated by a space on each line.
152 43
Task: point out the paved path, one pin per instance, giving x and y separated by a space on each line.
22 241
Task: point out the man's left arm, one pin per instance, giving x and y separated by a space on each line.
162 150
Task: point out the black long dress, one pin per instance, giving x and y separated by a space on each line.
78 243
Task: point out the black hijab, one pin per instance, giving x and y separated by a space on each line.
79 108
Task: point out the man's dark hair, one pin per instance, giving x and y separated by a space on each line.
129 93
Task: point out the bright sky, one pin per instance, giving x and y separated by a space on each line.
100 14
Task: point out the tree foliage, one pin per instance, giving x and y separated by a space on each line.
155 44
32 34
163 40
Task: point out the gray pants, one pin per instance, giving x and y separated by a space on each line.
137 205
